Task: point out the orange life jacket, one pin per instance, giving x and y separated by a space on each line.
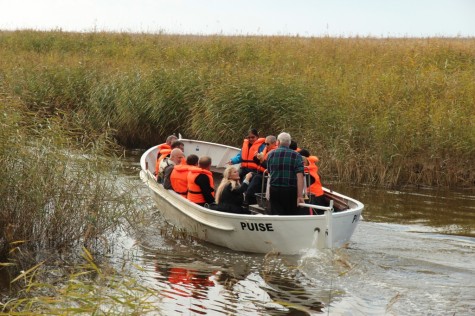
194 191
316 188
268 149
248 153
179 179
163 153
160 148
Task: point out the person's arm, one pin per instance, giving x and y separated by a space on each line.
236 159
244 185
242 188
300 188
264 164
166 177
163 164
203 182
299 170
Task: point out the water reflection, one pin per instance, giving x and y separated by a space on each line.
412 255
220 282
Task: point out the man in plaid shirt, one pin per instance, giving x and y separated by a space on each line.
286 178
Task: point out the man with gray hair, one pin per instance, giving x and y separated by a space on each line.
176 156
286 178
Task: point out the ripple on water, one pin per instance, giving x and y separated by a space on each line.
404 259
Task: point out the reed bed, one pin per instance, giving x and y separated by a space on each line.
60 193
57 194
376 111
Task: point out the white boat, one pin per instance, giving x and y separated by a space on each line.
258 232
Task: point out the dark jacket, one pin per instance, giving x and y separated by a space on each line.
166 177
202 181
232 200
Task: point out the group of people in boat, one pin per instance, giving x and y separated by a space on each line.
291 172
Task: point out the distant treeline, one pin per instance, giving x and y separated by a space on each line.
376 111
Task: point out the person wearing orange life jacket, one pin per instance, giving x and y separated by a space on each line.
314 188
176 157
179 176
255 186
251 145
293 145
166 145
201 183
163 161
270 145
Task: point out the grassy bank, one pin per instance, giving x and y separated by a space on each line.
377 111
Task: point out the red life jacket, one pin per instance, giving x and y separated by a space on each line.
179 179
194 191
248 153
316 188
160 148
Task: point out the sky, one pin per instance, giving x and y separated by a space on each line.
345 18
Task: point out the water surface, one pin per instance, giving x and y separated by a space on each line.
414 254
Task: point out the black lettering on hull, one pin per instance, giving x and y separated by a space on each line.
255 227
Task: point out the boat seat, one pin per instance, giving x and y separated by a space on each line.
256 209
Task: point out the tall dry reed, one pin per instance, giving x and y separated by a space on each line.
378 111
57 194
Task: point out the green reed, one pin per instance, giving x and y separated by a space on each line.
377 111
57 193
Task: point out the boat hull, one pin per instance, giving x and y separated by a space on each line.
257 233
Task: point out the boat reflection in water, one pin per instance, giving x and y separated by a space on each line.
187 282
247 285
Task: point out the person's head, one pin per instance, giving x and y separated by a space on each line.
304 152
192 160
253 135
176 156
171 139
270 140
293 145
230 176
231 173
178 144
284 139
204 162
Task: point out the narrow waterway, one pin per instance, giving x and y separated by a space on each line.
413 254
